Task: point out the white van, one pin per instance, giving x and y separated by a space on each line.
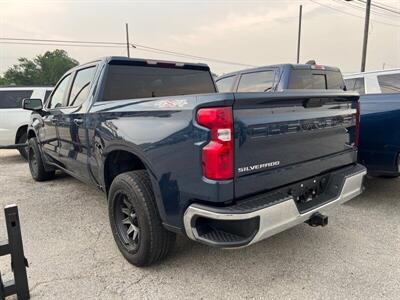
374 82
13 119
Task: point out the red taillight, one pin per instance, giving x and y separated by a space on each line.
217 158
358 116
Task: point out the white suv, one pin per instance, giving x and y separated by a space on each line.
374 82
13 119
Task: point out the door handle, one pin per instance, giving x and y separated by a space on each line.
78 122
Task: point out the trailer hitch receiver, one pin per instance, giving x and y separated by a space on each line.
318 219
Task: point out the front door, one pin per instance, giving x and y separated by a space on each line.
48 135
72 125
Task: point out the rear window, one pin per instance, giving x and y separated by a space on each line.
389 83
130 82
262 81
225 84
315 79
13 99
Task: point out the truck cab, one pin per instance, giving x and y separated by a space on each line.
276 78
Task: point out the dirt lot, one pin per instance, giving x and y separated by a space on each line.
72 253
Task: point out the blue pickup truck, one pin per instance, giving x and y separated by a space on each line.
175 157
379 148
281 77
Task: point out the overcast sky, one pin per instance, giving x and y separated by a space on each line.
249 32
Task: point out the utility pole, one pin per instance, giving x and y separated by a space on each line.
127 39
299 34
366 29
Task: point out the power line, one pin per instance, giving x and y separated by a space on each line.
360 7
387 6
192 56
350 14
61 41
382 7
374 9
64 45
81 43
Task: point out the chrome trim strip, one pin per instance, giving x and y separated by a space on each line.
278 217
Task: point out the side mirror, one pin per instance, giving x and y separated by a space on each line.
32 104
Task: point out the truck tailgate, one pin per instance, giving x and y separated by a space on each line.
284 137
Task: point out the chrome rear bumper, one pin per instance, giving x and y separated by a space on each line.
273 218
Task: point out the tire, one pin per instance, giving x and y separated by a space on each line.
132 208
36 164
23 150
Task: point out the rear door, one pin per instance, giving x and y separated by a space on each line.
281 138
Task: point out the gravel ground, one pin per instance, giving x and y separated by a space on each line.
72 254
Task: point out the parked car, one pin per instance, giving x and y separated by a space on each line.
13 119
380 114
374 82
276 78
175 157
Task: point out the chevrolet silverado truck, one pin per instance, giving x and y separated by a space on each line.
175 157
379 148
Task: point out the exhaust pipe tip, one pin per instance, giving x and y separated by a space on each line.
318 219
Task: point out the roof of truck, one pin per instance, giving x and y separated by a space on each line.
147 61
283 66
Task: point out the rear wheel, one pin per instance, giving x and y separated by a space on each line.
22 139
36 164
134 219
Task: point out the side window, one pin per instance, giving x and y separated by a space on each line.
262 81
13 99
356 84
359 86
389 83
80 87
226 84
58 96
350 84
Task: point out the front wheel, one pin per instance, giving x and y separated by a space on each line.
134 219
36 164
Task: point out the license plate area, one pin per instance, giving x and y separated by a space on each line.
310 193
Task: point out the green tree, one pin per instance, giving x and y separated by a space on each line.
2 81
44 69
